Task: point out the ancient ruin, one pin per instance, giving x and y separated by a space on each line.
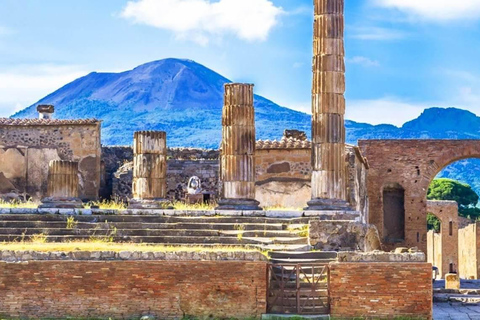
344 227
237 170
328 108
149 170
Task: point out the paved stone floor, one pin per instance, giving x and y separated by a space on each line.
454 311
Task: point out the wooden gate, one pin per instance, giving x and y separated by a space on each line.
298 289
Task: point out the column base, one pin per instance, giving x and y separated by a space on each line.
238 204
149 204
61 203
319 204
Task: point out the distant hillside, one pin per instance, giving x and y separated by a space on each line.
180 97
185 99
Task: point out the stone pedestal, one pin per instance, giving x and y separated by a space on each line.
452 281
149 186
237 160
329 176
62 185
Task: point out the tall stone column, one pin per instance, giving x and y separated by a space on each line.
328 108
238 149
62 190
149 170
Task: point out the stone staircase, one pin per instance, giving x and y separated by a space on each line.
462 296
261 232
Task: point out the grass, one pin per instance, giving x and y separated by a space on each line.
178 205
18 204
38 243
114 204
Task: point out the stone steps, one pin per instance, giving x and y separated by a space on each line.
141 225
259 232
149 232
459 298
152 219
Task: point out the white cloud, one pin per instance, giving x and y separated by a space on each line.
375 33
363 61
200 20
439 10
385 110
23 85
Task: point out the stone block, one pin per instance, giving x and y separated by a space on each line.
283 214
452 281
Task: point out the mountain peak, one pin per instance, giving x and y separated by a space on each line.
444 119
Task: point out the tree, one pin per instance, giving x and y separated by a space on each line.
462 193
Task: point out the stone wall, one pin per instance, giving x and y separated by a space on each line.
130 289
443 249
381 290
27 146
469 251
411 165
343 236
283 173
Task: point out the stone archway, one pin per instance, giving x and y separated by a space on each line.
413 164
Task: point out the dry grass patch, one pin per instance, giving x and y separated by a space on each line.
117 247
29 204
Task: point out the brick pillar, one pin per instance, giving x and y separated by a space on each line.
238 149
328 108
62 190
149 170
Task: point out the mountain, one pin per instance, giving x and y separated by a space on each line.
180 97
185 99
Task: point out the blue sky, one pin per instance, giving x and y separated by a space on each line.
402 55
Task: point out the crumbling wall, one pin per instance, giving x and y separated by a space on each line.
469 251
413 164
444 251
27 146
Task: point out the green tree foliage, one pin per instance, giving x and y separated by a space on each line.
433 223
463 194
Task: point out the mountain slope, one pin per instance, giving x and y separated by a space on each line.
180 97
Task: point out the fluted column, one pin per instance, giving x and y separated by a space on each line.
238 149
328 108
149 170
62 189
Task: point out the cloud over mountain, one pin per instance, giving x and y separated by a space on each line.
200 20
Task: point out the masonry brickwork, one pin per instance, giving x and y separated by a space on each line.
28 145
411 165
381 290
130 289
443 247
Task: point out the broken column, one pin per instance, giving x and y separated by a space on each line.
328 108
62 191
45 111
237 170
149 170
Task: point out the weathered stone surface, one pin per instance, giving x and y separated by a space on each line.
343 236
381 256
412 164
28 145
238 149
442 249
452 281
328 107
149 169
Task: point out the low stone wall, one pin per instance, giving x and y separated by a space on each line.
130 289
381 290
380 256
343 235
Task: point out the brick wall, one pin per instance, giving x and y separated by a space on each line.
129 289
382 290
412 164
